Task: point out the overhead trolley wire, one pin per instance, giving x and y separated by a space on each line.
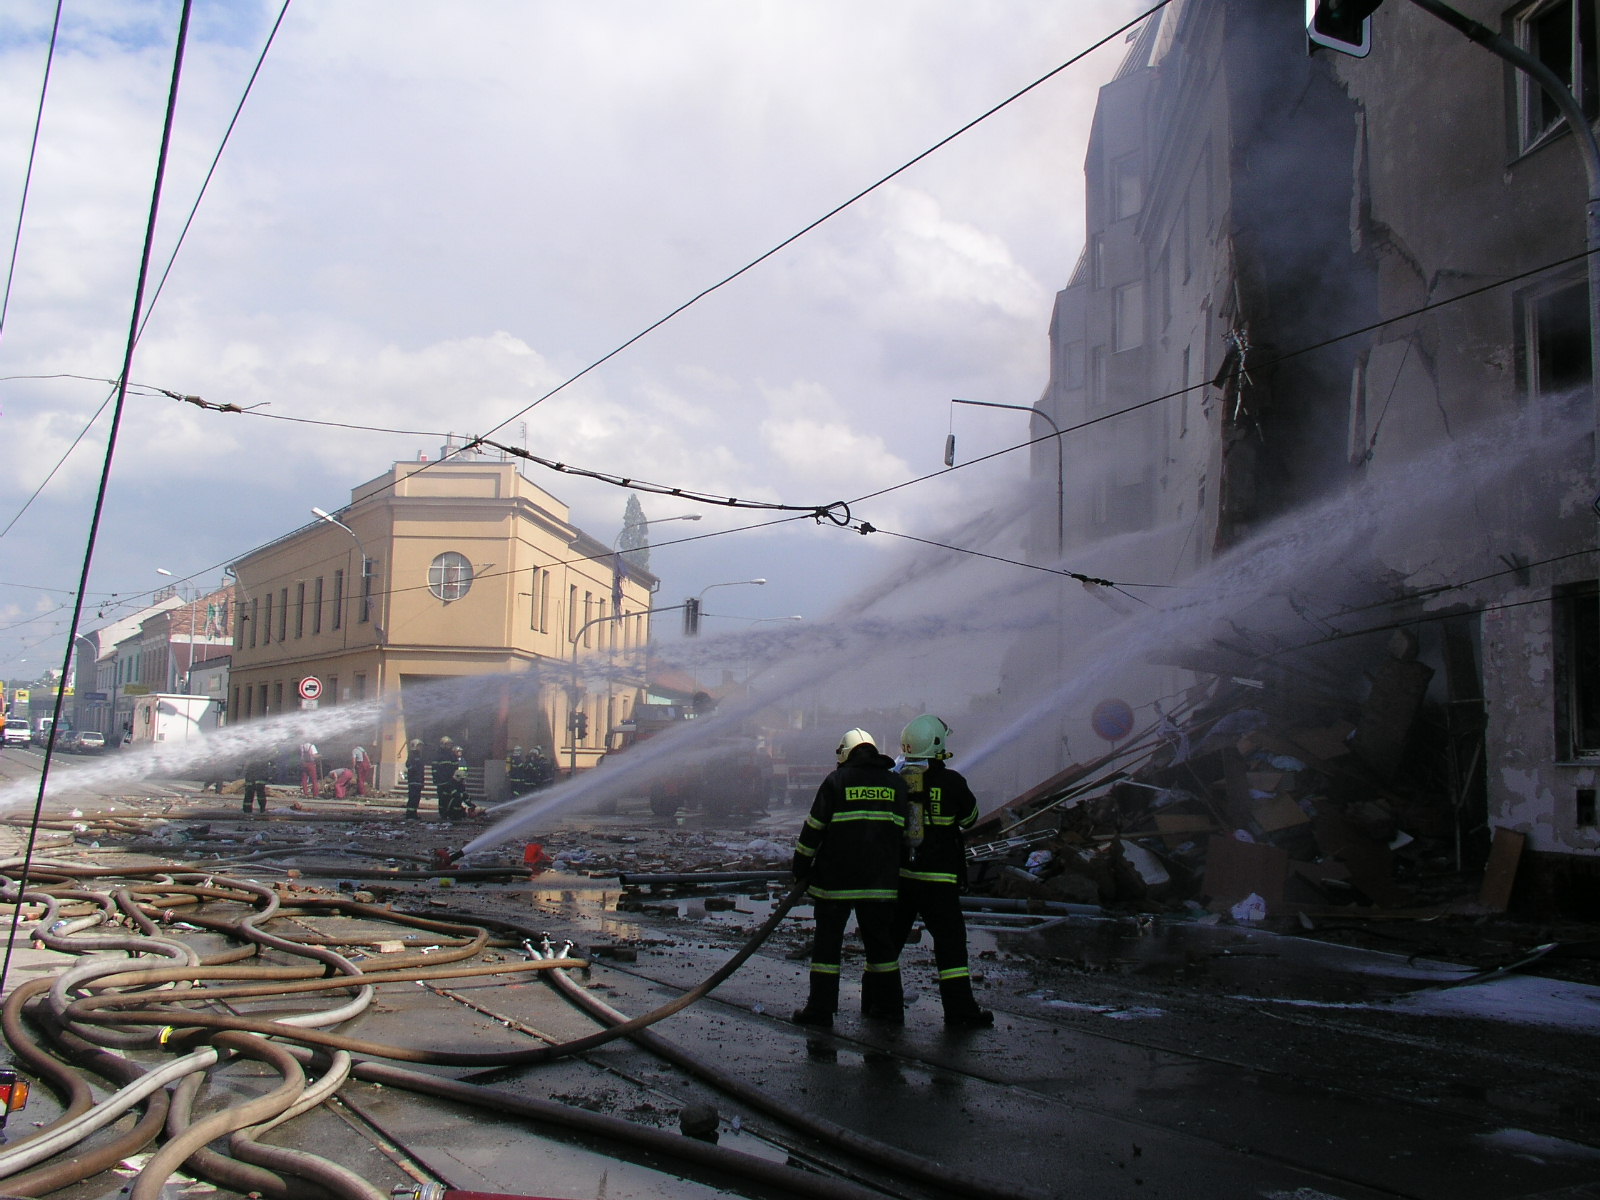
840 513
105 469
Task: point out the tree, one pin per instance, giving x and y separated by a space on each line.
635 542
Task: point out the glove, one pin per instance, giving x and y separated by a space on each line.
800 868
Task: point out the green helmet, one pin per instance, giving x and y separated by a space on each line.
851 739
926 737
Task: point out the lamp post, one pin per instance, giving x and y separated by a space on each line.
383 763
692 607
1061 512
172 673
616 542
366 566
572 688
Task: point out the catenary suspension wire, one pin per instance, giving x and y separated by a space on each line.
111 443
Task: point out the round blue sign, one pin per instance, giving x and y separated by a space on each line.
1112 719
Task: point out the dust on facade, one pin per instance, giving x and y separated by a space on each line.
1328 349
450 598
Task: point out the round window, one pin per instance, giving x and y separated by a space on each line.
450 576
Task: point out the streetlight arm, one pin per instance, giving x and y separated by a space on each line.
1061 468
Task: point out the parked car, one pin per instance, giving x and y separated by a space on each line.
86 741
18 732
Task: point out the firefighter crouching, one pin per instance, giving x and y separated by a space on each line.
849 854
932 880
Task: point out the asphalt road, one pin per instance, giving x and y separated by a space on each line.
1166 1058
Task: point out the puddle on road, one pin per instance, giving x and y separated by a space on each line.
1253 961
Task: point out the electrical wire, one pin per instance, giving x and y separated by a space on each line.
111 442
27 175
172 258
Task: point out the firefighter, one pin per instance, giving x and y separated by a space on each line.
935 873
416 778
848 854
447 787
257 771
519 772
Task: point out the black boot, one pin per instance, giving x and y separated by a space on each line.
882 997
961 1009
821 1003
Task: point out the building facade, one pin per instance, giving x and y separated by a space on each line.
452 598
1352 291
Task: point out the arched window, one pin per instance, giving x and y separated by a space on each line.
450 576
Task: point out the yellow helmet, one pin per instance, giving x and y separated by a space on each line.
926 737
851 739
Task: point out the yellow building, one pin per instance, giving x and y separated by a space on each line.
452 598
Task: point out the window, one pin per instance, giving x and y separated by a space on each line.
300 609
283 614
1555 339
338 598
450 576
255 612
316 606
361 688
1560 34
1577 673
1129 317
369 568
266 622
1072 369
538 594
330 694
1127 188
262 692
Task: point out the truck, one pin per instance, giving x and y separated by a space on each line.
42 726
168 717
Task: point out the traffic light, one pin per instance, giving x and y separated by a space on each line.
1342 25
580 726
691 618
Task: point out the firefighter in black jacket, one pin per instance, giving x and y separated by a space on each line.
935 875
849 853
416 777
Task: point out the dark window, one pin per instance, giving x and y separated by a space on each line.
300 609
338 598
316 606
266 621
1555 340
1560 34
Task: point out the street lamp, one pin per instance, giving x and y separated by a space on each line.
366 569
691 606
616 542
1061 519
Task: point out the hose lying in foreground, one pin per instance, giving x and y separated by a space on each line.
868 1149
790 1181
182 1020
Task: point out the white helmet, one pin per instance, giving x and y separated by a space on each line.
852 739
925 737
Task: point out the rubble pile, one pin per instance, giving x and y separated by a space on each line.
1262 802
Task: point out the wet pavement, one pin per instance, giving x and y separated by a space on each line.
1156 1057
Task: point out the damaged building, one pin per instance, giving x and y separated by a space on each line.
1337 305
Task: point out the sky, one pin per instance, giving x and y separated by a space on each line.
428 216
